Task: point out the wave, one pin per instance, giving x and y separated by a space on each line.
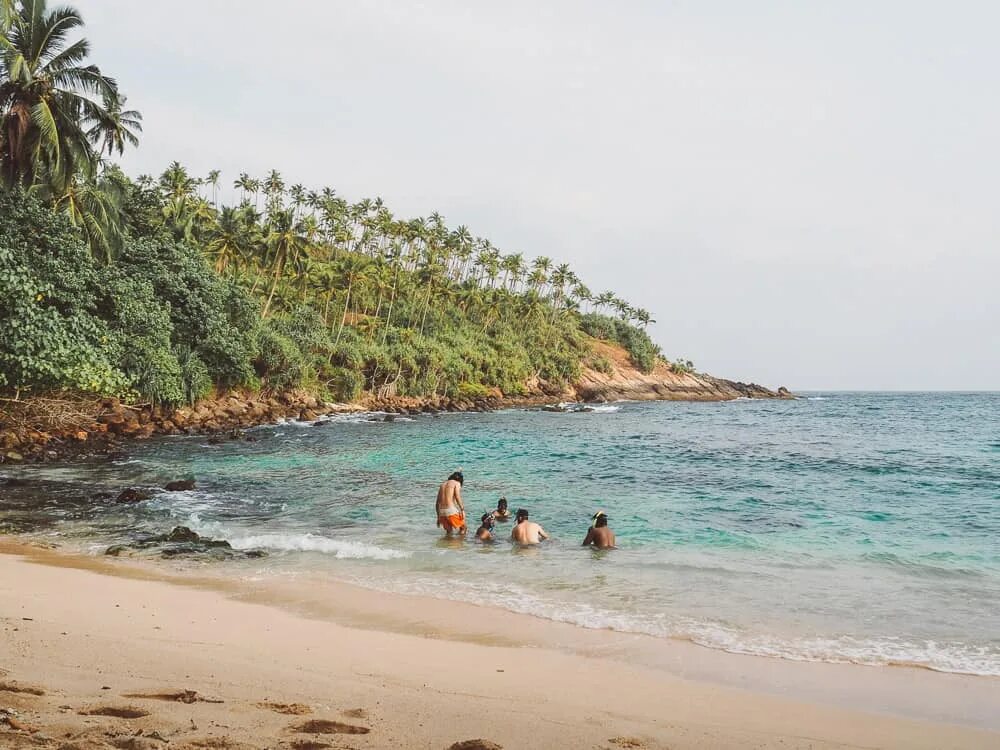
954 657
341 549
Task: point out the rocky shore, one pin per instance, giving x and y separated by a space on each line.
64 425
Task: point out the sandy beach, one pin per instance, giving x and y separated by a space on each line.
100 654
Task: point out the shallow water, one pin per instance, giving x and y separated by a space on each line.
841 527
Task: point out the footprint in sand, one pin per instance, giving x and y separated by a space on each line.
326 726
180 696
627 742
309 745
355 713
118 712
294 709
13 687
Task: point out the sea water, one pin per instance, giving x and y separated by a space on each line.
843 527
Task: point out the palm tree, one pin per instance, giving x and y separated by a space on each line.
245 184
213 181
49 100
285 246
95 206
116 128
353 268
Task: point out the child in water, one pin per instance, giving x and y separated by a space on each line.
485 531
501 513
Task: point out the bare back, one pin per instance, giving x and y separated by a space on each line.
528 532
601 537
450 497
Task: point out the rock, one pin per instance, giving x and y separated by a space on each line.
116 550
182 534
214 440
13 456
321 423
14 482
307 415
476 745
133 495
179 485
80 435
389 418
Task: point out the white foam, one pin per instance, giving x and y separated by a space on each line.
341 549
956 657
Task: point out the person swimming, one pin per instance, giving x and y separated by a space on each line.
525 531
502 513
485 531
599 535
449 506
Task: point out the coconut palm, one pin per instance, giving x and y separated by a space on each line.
51 102
117 127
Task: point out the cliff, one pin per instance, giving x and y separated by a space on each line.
625 382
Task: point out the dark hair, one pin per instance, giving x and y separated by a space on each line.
522 513
457 476
601 520
502 502
486 518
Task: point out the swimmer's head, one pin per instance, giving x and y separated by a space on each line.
457 476
522 515
502 504
600 519
487 520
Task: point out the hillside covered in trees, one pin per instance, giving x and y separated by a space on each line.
150 289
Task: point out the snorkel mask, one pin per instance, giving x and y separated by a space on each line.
488 521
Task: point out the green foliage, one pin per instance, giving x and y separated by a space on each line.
643 352
601 364
49 338
682 366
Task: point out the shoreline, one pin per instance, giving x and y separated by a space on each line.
637 679
52 427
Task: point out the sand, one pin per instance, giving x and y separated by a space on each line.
99 654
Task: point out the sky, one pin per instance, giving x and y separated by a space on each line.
802 193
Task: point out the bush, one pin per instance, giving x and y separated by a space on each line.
49 337
344 385
641 349
279 361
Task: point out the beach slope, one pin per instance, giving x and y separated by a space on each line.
90 660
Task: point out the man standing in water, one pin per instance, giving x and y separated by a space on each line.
525 531
599 535
450 510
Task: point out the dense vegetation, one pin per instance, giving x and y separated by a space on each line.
151 288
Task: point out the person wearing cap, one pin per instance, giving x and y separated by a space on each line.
485 531
501 513
450 510
525 531
599 535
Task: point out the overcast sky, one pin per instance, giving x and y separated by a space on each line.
803 193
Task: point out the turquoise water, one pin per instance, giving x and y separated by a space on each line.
840 527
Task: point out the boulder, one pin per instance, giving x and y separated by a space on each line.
179 485
182 534
133 495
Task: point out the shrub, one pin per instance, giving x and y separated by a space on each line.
49 336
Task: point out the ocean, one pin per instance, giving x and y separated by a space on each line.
840 527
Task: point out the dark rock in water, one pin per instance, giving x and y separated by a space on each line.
255 553
179 485
102 495
214 440
13 482
321 423
250 439
555 409
116 550
133 495
584 409
181 534
117 456
389 418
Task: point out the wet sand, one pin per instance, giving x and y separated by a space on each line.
103 654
